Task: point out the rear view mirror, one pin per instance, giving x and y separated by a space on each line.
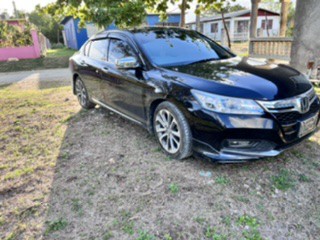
127 63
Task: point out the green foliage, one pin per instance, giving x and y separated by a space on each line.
252 233
222 180
283 181
128 13
15 36
47 24
56 226
174 188
144 235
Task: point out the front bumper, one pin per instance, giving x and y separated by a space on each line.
266 136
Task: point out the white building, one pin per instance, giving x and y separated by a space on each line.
238 24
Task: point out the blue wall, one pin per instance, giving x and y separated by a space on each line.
82 35
70 34
75 37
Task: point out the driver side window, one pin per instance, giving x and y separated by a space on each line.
119 49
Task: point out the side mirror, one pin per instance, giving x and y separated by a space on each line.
127 63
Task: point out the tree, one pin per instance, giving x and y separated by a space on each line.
229 8
161 6
221 7
15 36
306 46
254 18
127 13
47 24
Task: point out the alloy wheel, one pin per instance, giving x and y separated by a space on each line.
168 131
81 93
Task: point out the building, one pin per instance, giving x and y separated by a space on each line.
74 37
238 24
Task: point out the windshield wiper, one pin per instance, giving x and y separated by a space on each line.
204 60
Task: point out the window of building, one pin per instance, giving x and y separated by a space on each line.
270 24
119 49
99 49
214 27
242 26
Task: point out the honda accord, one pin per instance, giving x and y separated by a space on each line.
195 95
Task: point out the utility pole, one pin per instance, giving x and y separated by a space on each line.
15 10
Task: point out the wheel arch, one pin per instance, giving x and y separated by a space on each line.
153 106
74 78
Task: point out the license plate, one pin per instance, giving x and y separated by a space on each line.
307 126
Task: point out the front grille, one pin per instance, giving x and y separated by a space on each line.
290 120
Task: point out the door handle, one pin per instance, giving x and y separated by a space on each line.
105 69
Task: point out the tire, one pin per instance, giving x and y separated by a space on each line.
172 131
82 94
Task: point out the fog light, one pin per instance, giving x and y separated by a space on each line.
240 143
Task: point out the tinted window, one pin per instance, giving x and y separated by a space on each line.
99 49
173 47
119 49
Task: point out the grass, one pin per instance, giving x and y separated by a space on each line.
31 135
174 188
56 58
222 180
56 226
60 52
317 90
283 181
47 186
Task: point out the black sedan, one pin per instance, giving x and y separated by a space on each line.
195 95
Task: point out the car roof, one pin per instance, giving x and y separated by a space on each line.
130 32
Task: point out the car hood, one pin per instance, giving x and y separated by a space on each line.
245 78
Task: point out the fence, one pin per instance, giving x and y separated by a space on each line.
277 48
26 52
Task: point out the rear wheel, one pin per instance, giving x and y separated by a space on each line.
82 95
172 131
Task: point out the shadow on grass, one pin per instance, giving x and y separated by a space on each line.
112 181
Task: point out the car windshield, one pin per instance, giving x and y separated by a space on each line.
175 47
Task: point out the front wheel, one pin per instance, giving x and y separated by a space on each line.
82 95
172 131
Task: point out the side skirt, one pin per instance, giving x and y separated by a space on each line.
116 111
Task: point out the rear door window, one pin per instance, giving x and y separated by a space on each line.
99 49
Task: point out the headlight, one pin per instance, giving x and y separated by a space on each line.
224 104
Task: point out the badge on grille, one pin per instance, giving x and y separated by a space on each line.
304 105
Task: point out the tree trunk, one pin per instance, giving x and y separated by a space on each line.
266 25
254 18
285 4
226 29
183 13
198 23
306 46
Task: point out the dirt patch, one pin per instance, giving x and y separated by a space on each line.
93 175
